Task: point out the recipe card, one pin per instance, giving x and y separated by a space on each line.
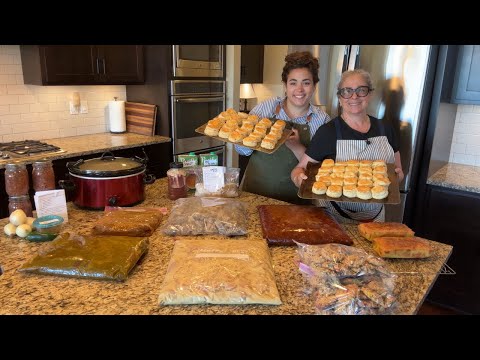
51 202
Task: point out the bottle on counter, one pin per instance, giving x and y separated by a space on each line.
16 179
177 186
20 202
43 176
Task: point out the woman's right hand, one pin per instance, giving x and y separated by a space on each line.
298 175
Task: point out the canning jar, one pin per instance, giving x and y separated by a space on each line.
16 179
177 186
43 176
20 202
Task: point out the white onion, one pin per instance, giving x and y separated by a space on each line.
10 229
23 230
18 217
30 221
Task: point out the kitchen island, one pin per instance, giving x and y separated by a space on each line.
22 293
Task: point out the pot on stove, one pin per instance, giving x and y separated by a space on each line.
107 181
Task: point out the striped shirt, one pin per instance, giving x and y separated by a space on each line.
267 109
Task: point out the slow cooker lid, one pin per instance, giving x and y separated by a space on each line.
106 166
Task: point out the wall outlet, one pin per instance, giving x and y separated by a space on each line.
83 107
74 110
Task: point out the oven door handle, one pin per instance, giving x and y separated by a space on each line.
199 100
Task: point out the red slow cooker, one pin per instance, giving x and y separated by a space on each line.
107 181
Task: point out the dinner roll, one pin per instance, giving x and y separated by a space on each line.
337 181
328 163
266 122
276 132
350 191
338 169
236 136
250 141
366 163
379 163
225 131
248 127
319 188
211 131
364 182
242 115
350 181
380 179
325 179
341 163
363 192
232 123
268 144
379 170
350 168
260 128
260 134
349 174
379 192
324 171
280 124
353 163
334 191
253 118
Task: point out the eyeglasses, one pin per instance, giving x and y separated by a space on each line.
347 92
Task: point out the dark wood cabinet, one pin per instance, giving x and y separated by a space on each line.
466 83
251 68
82 64
451 217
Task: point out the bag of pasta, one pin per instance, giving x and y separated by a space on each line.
207 215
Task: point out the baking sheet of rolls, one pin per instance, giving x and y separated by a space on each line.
261 134
312 171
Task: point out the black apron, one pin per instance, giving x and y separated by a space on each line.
375 148
269 174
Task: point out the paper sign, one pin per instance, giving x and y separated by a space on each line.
51 202
213 178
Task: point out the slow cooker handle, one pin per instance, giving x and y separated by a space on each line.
144 160
112 201
107 152
149 179
68 185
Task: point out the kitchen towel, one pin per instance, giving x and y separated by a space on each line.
116 113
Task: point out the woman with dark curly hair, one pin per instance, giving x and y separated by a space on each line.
269 174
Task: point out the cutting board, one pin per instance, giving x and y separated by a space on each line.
140 118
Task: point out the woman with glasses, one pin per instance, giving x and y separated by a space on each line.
269 174
354 135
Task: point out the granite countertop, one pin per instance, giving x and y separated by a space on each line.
457 176
90 144
22 293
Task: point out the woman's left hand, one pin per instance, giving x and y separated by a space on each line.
400 174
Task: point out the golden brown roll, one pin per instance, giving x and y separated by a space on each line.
380 179
334 191
363 192
260 128
349 174
324 171
232 123
246 121
337 181
379 192
325 179
250 141
379 163
225 131
231 111
350 181
340 163
242 115
236 136
379 170
364 175
364 182
350 191
271 137
337 175
280 124
211 131
373 230
319 188
276 132
328 163
350 168
338 169
366 163
260 134
266 122
253 118
268 144
353 163
248 127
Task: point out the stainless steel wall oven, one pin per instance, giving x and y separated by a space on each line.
198 61
193 103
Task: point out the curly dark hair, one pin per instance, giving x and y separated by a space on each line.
300 60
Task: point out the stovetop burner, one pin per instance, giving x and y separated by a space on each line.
22 148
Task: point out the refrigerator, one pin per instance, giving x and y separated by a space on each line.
405 79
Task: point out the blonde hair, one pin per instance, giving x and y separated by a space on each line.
363 73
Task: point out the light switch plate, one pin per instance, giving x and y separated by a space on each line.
83 107
74 110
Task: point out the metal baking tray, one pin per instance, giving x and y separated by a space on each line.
286 134
305 191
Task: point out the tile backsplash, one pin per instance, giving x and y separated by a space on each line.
466 136
42 112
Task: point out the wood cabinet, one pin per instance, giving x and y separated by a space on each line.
251 68
82 64
466 83
451 217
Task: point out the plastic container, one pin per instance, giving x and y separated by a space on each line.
177 185
16 179
49 224
20 202
43 175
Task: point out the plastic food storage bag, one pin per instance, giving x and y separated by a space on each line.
211 182
209 215
91 256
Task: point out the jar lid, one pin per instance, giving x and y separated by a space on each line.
42 162
48 221
15 165
176 165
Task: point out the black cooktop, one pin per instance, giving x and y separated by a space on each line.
27 147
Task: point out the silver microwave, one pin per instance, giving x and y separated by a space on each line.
199 61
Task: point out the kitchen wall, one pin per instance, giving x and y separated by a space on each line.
42 112
466 136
